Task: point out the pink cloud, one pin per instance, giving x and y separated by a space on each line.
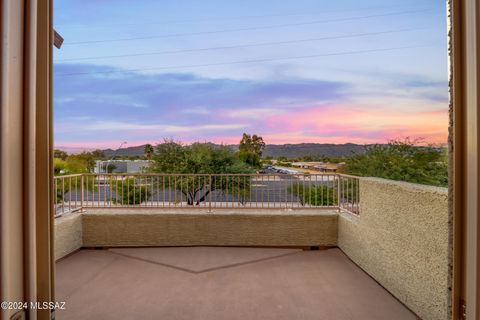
317 124
340 124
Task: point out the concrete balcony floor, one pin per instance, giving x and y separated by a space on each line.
220 283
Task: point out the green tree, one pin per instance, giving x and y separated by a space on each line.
59 166
109 167
251 148
250 158
88 158
76 165
72 165
148 151
60 154
204 160
403 160
98 154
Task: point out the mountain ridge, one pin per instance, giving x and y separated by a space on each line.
290 150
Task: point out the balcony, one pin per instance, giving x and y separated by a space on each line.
239 247
220 283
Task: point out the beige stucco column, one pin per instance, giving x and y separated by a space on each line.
26 266
464 21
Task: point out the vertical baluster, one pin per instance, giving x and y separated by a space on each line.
310 190
69 193
210 194
82 192
257 182
269 178
304 190
104 189
227 195
358 196
55 200
76 192
93 190
110 190
63 195
163 190
175 190
124 180
245 191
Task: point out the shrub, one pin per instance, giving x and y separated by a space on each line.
131 192
321 195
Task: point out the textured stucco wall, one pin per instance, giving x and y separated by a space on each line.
236 228
68 234
401 240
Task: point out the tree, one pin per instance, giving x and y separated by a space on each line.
71 165
403 160
60 154
98 154
251 148
148 151
109 167
205 160
59 166
88 158
251 143
250 158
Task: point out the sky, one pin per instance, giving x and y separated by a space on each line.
292 71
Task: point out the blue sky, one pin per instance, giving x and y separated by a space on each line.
291 71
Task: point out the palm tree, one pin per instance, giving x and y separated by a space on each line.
148 151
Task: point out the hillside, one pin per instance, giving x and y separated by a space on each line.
275 151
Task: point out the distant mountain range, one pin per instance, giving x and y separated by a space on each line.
274 150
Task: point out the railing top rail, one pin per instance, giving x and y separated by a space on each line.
206 174
69 175
348 175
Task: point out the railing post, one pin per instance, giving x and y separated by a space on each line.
338 192
210 193
81 193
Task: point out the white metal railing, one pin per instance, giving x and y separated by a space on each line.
68 193
349 191
207 191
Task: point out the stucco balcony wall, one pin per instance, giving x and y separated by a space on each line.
402 240
68 234
137 227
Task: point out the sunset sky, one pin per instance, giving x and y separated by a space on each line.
290 70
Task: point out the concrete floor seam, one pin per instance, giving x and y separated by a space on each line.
234 265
